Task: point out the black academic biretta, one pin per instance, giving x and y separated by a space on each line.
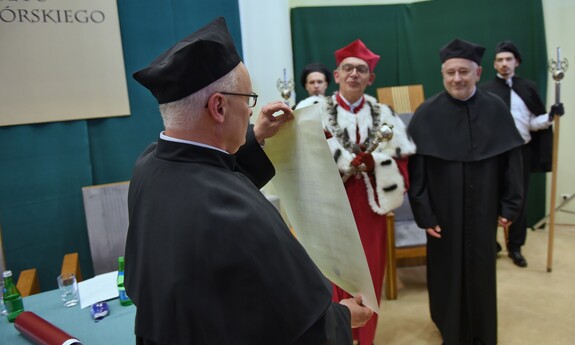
315 67
191 64
510 47
461 49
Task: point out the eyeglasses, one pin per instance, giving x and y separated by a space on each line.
252 98
361 69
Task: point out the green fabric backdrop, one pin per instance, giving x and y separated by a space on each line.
43 167
408 38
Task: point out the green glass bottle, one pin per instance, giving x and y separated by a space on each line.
124 299
12 298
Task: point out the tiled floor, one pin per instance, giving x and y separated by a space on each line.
535 307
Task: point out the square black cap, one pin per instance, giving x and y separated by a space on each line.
461 49
508 46
315 67
191 64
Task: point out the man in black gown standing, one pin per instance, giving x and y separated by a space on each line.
209 260
533 123
464 179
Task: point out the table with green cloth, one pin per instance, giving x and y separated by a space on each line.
115 329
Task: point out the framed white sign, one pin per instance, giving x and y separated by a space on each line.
60 60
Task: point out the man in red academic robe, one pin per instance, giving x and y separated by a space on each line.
351 120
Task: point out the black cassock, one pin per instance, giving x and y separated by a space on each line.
541 144
210 261
465 174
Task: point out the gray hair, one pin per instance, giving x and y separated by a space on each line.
183 113
474 64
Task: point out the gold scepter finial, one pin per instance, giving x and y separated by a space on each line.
285 87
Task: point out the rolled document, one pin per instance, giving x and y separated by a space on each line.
42 332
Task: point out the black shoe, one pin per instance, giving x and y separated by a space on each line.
498 247
517 258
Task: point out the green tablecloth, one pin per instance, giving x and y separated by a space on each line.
115 329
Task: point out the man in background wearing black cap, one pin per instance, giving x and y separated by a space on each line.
463 180
315 78
533 122
209 260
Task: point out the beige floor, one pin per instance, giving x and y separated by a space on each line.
535 307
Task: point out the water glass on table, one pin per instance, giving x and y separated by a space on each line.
68 287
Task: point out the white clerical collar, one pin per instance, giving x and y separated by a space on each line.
163 136
472 94
350 105
508 81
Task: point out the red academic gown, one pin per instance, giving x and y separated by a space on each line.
372 226
372 229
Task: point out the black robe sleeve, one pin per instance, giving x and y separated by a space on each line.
419 194
512 193
253 162
335 326
541 144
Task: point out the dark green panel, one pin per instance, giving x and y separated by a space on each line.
44 167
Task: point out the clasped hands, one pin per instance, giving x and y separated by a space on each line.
556 109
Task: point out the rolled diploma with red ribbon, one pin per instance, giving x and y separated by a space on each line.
42 332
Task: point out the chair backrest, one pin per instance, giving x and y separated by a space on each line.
402 99
71 264
28 283
106 208
407 232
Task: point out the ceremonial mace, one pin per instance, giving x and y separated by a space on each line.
285 87
384 133
557 69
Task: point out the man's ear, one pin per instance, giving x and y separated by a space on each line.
371 78
217 106
336 76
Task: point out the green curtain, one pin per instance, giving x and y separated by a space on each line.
408 38
44 166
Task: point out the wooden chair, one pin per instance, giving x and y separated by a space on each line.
402 99
406 245
28 283
406 242
71 264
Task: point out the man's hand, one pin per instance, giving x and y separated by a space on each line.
434 232
363 158
504 222
360 314
556 109
268 124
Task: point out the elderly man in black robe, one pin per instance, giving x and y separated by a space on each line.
209 260
465 178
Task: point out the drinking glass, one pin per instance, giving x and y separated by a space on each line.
68 287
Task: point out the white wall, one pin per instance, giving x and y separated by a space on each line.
559 27
266 41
